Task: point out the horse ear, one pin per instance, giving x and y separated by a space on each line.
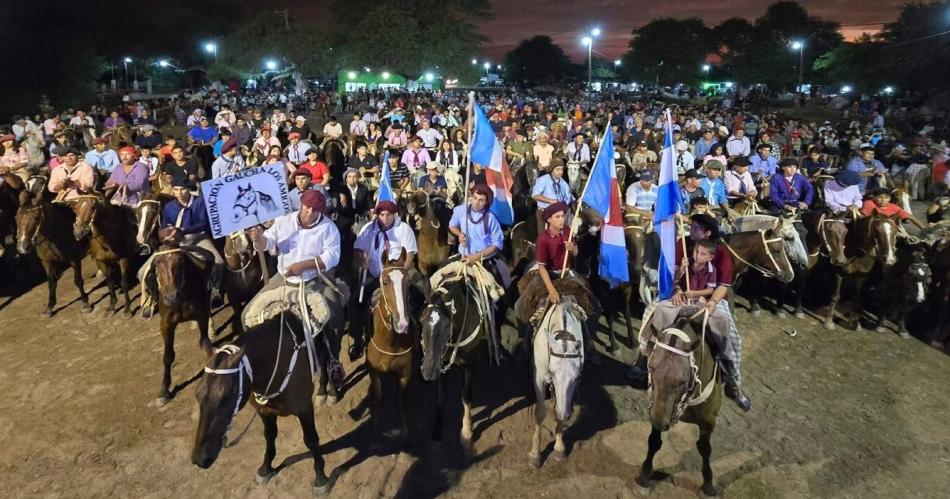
402 256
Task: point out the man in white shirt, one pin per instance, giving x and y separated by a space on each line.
684 159
333 129
265 141
738 180
430 136
83 120
578 151
229 163
738 144
225 117
195 118
357 126
307 244
296 151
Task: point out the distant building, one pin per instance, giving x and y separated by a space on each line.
353 81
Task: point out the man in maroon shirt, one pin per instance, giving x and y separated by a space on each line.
703 226
552 247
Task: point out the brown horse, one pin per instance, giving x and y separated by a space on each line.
182 290
119 136
825 238
390 347
10 188
235 372
683 386
148 215
761 250
111 235
871 240
246 274
431 216
46 227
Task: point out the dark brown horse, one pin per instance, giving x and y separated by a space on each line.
390 347
47 227
111 233
235 372
684 386
453 335
825 238
245 274
11 186
182 290
871 240
761 250
431 216
903 286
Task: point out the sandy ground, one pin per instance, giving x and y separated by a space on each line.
836 414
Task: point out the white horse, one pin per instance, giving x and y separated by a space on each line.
33 142
558 361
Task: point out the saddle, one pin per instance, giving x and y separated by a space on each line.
270 303
531 305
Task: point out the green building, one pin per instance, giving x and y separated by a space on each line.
352 81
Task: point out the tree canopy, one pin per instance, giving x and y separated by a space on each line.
669 50
537 60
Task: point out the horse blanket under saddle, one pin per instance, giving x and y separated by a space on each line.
324 302
661 315
533 295
481 275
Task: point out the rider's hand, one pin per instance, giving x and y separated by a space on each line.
711 306
256 232
463 240
571 246
296 269
471 259
554 297
678 298
802 205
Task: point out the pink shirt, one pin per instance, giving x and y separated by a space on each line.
81 174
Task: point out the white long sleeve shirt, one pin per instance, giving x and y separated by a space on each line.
297 244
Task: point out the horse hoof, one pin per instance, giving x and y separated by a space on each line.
162 401
881 329
709 490
86 308
321 490
781 314
534 461
331 400
904 334
614 349
466 444
320 400
829 325
559 455
127 314
47 313
263 479
799 315
644 483
756 313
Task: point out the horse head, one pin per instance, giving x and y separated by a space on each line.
238 250
222 391
918 276
147 214
834 234
788 227
437 327
883 237
169 265
394 293
672 378
775 256
85 208
29 224
562 327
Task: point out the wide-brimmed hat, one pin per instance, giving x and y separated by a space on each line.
847 178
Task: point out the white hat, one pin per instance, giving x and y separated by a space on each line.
681 145
301 118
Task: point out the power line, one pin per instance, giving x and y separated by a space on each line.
919 39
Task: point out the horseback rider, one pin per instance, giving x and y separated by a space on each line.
307 244
479 233
552 248
551 188
843 193
705 227
867 167
641 199
102 159
129 181
385 235
229 162
790 190
12 159
739 183
73 177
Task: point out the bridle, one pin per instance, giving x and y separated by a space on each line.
240 255
768 252
243 369
79 200
145 204
447 308
684 400
387 311
39 222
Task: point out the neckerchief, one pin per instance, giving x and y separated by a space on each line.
381 233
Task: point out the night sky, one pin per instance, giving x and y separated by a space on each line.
566 20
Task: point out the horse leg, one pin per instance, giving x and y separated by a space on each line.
540 412
835 298
124 276
858 288
321 484
376 391
611 318
77 280
628 315
799 287
439 406
646 471
704 447
755 308
899 319
465 435
168 339
51 279
266 471
560 451
403 406
110 284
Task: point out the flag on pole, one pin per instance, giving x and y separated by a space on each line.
385 187
602 193
667 209
487 151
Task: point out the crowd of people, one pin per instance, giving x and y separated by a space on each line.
729 160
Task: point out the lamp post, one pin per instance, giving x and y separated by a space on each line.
706 70
800 47
487 67
125 67
212 48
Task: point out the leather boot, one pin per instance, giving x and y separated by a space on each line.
733 390
637 373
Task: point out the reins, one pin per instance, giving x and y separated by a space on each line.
765 243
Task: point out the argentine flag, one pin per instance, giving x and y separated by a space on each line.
385 192
487 151
667 208
602 193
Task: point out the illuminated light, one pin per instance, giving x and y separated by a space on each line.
271 65
385 75
163 63
487 66
845 89
474 62
429 76
586 41
616 62
210 47
797 45
127 59
351 75
595 32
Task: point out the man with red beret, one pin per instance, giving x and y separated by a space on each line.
386 235
265 141
296 150
129 181
552 248
230 161
307 244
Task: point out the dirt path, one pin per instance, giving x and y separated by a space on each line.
836 414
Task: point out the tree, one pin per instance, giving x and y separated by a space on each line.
669 50
916 46
537 60
856 64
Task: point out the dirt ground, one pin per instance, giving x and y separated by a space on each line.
836 414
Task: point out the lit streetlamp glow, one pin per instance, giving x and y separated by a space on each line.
429 76
127 60
617 62
385 75
163 63
351 75
271 65
845 89
474 62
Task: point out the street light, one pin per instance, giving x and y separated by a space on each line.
429 76
845 89
163 63
888 90
125 66
617 62
589 42
800 47
474 62
212 48
385 75
706 68
351 75
270 64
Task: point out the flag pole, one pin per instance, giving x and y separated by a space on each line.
577 211
468 163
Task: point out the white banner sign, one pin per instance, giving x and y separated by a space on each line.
245 199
